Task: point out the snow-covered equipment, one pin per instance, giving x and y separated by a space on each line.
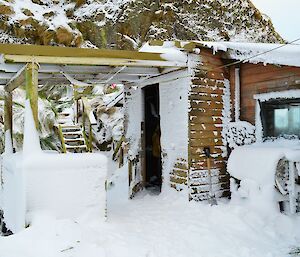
211 196
268 175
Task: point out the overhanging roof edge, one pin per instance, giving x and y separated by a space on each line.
39 50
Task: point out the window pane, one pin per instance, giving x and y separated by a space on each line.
281 119
295 119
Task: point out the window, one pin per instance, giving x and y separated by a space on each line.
281 117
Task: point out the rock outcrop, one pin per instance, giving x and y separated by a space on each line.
126 24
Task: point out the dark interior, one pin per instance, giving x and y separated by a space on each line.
153 179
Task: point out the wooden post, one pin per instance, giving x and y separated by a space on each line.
90 138
8 124
32 89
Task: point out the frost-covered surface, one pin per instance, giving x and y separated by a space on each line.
173 121
259 52
61 184
255 163
168 51
134 116
150 225
286 94
109 117
239 133
255 166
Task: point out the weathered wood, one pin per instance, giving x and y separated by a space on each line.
202 97
198 150
208 82
62 139
203 159
259 78
178 180
206 112
205 119
54 51
206 142
92 61
208 105
204 127
179 173
182 166
17 80
205 134
203 165
32 89
211 74
8 113
206 89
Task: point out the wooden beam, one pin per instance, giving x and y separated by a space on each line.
32 89
60 60
8 125
16 81
55 51
12 68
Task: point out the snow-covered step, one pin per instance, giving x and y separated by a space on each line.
76 146
69 126
74 140
79 132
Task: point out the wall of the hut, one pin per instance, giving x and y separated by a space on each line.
206 119
173 97
174 129
259 78
134 117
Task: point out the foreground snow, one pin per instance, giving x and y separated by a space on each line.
158 225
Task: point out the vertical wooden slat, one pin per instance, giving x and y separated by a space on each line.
32 89
8 124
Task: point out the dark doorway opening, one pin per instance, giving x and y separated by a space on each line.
153 172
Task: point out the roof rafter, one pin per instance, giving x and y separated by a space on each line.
17 80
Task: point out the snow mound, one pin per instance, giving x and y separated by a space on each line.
258 164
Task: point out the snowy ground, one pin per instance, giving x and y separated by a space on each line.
157 225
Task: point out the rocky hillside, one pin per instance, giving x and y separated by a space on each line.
126 24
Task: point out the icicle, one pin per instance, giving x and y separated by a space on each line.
31 143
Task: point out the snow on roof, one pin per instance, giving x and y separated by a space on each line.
282 54
267 53
167 51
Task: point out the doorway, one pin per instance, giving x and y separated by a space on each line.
153 167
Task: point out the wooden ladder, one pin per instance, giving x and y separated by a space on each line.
71 135
72 139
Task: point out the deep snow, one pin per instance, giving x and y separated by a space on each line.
157 225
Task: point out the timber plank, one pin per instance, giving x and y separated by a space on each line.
178 180
210 105
203 158
182 166
179 173
205 142
208 82
203 165
205 119
205 134
198 150
204 127
206 112
199 97
208 90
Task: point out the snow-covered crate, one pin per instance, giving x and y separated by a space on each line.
63 185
